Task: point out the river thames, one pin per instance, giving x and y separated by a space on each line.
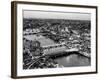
73 60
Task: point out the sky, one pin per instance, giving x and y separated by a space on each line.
56 15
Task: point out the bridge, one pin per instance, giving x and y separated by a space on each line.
61 49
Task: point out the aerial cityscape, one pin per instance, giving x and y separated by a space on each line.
56 43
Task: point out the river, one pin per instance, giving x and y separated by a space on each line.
66 61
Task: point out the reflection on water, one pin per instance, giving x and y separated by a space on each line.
73 60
